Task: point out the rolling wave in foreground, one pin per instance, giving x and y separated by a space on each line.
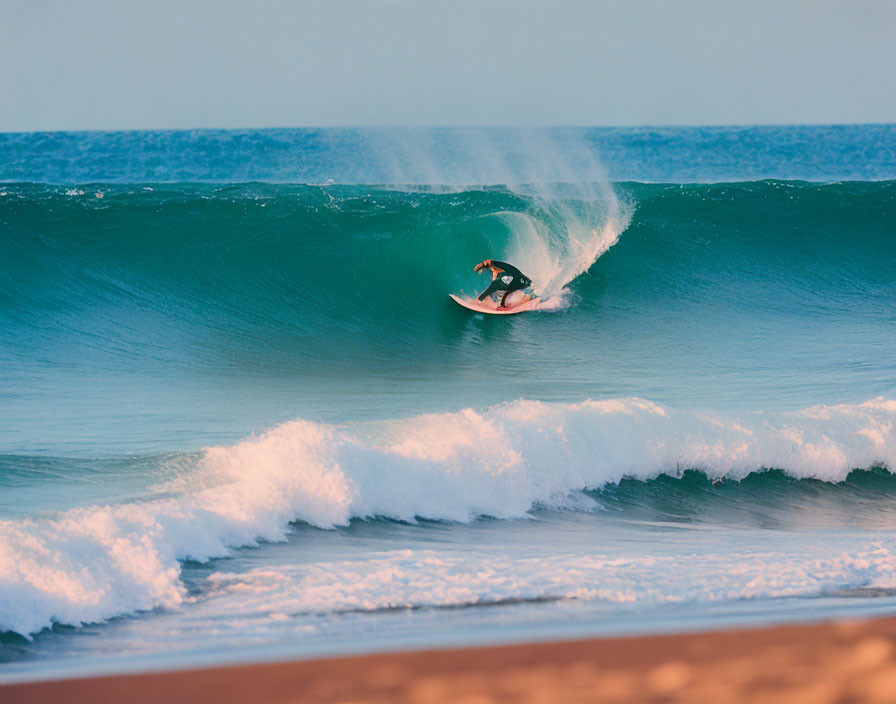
449 467
249 409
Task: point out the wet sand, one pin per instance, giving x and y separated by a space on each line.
842 662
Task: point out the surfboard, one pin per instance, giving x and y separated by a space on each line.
488 306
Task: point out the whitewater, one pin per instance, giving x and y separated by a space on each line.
240 418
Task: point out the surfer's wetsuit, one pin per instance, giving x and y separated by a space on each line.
505 278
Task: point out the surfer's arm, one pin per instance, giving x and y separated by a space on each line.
503 268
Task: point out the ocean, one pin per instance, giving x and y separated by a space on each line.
241 420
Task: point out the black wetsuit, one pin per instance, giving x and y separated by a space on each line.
507 279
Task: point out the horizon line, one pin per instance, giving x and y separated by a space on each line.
643 126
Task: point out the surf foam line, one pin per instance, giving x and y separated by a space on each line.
419 579
90 564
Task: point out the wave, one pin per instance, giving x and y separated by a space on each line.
158 297
95 562
247 249
298 265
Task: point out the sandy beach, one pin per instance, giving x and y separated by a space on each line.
851 661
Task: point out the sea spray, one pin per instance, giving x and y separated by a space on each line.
572 213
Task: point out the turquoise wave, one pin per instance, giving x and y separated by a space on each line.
352 253
273 260
768 294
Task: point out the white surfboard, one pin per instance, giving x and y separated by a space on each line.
516 303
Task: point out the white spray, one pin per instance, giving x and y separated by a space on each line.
574 215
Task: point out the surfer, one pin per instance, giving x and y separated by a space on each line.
505 278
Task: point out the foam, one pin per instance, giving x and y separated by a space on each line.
89 564
428 578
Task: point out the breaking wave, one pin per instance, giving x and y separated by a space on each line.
94 562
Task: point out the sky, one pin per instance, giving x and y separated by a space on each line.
164 64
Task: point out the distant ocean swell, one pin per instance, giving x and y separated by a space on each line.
92 563
657 154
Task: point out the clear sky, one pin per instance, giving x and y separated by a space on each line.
120 64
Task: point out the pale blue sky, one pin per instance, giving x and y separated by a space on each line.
118 64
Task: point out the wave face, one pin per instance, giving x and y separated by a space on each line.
279 258
456 467
285 259
721 295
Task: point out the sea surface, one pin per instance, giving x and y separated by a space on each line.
241 420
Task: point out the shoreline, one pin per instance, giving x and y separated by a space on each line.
834 661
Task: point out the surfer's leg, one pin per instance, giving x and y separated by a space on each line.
492 287
514 286
504 298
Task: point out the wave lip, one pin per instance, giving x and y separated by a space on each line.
89 564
